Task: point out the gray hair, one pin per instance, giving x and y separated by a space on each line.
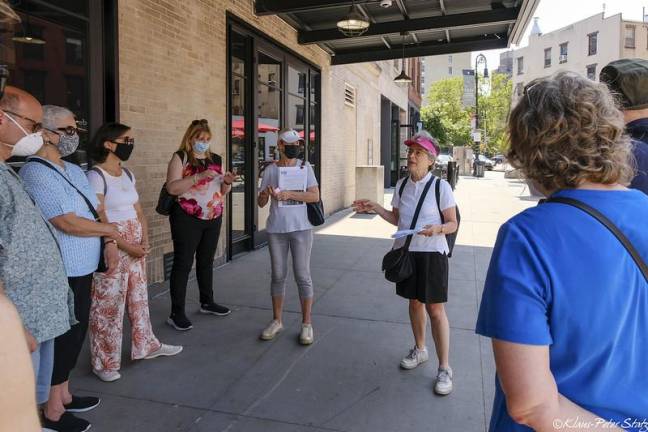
52 116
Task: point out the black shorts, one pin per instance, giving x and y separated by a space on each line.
429 283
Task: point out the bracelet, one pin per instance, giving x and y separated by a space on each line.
110 241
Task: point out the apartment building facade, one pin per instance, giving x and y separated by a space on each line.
437 68
584 47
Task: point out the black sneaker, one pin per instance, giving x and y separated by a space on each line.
82 404
179 322
67 423
214 309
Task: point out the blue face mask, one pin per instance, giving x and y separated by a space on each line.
201 146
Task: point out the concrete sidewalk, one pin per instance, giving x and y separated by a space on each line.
349 379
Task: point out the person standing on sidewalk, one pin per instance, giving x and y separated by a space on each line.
627 79
127 287
289 230
427 288
63 194
195 175
31 266
565 304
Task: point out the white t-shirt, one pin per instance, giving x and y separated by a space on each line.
429 214
121 195
287 219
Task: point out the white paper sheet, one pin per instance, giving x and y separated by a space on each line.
405 233
292 179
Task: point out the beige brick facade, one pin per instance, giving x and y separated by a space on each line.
172 69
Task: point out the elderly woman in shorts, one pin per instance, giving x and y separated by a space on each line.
427 289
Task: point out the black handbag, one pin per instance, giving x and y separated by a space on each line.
315 213
315 210
165 199
398 264
101 267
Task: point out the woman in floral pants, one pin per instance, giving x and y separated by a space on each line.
126 288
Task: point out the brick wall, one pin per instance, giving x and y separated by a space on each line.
172 69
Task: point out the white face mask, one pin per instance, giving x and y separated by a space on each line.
27 145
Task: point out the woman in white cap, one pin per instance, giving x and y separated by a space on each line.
427 288
289 230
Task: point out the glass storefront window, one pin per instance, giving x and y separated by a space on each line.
56 71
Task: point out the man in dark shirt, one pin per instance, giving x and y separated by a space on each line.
628 81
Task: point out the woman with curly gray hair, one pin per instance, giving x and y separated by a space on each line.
565 302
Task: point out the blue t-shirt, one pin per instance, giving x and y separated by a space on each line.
55 197
558 277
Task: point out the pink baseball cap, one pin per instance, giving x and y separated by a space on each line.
428 144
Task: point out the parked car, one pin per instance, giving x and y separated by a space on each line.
498 159
488 163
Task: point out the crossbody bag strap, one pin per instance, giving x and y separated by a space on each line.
418 210
437 195
609 225
87 201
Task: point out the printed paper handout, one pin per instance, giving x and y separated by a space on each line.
292 179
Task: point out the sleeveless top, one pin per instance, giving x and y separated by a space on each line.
203 200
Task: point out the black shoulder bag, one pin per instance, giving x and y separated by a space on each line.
101 267
450 238
165 199
609 225
397 263
315 210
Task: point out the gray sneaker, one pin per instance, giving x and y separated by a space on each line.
443 384
414 358
273 329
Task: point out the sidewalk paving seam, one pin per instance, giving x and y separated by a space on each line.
315 314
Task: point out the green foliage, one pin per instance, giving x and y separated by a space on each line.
445 117
494 109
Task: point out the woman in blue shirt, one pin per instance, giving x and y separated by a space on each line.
56 187
564 302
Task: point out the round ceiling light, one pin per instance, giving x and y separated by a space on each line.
354 24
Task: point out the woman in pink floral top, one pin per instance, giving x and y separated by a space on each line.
195 175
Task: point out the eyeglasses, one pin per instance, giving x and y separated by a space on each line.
127 141
201 122
68 130
416 152
36 126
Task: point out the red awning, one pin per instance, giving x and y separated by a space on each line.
239 124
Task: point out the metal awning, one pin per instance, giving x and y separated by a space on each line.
431 27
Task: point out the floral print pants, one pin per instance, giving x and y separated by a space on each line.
126 288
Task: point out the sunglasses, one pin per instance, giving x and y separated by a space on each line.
202 122
36 126
68 130
127 141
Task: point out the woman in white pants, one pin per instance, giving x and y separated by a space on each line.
289 230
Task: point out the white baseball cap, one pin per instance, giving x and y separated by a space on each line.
290 136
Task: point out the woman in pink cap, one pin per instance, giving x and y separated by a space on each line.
427 288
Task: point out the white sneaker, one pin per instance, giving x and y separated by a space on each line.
273 329
443 384
106 375
414 358
165 350
306 335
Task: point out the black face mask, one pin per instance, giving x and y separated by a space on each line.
291 151
123 151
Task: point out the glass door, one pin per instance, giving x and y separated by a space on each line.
240 119
269 110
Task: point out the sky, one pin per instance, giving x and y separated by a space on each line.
555 14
